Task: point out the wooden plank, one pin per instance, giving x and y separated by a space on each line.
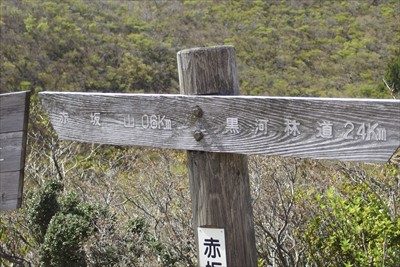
365 130
219 182
11 152
14 111
10 190
13 108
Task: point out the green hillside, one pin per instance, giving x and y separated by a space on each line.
299 48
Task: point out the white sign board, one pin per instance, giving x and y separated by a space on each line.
212 249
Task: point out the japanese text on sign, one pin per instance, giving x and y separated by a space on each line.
324 129
291 128
212 250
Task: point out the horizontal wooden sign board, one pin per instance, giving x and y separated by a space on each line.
365 130
14 109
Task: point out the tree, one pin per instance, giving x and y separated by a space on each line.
392 76
352 227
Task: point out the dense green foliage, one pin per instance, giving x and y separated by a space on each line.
42 208
354 229
332 48
67 228
71 233
393 73
95 205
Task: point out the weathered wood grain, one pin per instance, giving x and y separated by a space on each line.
219 182
11 152
14 112
218 78
220 194
375 136
10 190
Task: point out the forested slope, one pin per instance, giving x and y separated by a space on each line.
98 205
304 48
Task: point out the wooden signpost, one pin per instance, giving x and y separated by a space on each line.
14 109
343 129
218 128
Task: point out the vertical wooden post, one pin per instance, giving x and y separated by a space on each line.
14 112
219 182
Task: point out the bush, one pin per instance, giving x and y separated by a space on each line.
353 231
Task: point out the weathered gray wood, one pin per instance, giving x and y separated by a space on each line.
11 151
219 182
219 79
14 111
375 136
10 190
